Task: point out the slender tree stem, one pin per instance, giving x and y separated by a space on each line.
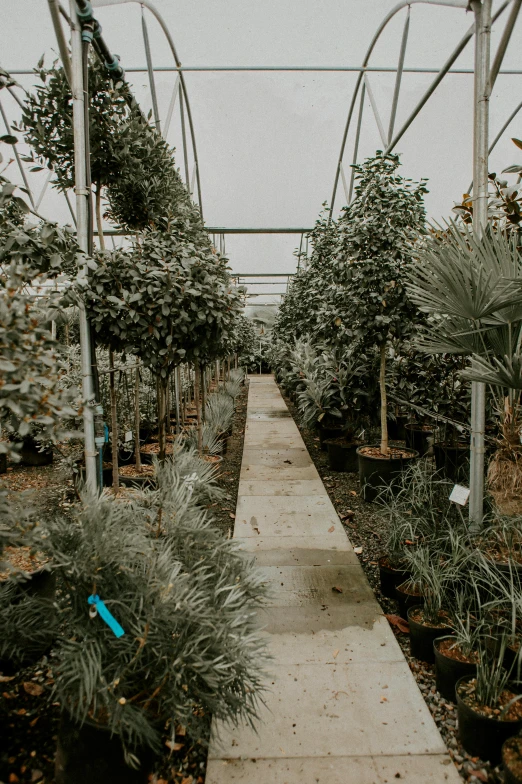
137 416
384 404
114 423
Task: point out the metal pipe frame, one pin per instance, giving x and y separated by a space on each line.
439 77
82 211
283 68
150 70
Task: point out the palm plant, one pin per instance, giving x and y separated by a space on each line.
471 289
219 411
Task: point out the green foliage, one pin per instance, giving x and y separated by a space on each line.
48 125
31 368
169 302
186 599
128 156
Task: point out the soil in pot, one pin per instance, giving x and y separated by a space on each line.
89 754
327 432
130 476
147 451
420 437
423 633
342 454
407 595
452 461
390 577
41 581
512 760
450 665
378 471
481 731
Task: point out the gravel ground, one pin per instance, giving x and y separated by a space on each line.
366 530
28 717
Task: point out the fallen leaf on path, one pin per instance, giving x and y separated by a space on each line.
336 653
337 589
232 515
353 492
5 678
357 550
331 529
34 689
173 746
400 623
346 516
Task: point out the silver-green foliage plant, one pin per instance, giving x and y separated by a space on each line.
186 600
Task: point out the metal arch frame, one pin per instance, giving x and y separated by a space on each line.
183 87
362 79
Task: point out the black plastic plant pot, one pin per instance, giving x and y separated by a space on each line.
480 735
406 599
328 431
452 461
419 437
448 671
511 757
30 454
376 473
396 428
3 463
390 578
423 636
137 481
342 456
89 754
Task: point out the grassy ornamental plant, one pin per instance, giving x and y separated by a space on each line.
179 644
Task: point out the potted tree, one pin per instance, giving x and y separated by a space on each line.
377 237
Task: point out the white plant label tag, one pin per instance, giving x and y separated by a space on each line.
128 436
459 495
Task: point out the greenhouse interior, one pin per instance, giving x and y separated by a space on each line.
260 392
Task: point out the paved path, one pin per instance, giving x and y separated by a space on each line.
344 707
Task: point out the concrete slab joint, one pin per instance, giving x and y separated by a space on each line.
342 706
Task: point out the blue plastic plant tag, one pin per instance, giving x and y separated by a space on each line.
106 615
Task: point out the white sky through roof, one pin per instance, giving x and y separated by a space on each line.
268 142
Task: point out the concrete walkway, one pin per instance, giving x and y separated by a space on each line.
343 706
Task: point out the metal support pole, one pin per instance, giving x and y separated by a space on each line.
82 212
398 78
150 70
184 137
18 159
171 107
54 8
503 45
376 114
357 140
482 11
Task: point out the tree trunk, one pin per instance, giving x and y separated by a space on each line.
99 217
203 391
167 406
160 395
217 374
198 406
384 405
137 416
114 423
176 395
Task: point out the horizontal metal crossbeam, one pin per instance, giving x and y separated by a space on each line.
303 68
